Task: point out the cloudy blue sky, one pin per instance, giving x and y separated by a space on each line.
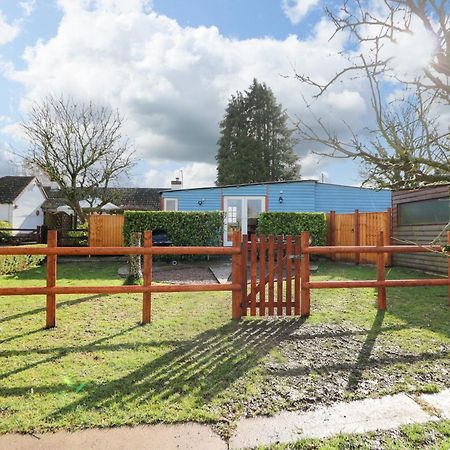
170 66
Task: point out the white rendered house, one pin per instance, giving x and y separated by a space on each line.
21 200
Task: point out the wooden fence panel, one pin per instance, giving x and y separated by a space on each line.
359 229
371 225
106 231
344 234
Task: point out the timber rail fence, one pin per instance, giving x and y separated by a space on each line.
293 258
52 251
380 249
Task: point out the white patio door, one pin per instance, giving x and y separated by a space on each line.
241 213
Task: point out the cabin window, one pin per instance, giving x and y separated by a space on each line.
170 204
424 212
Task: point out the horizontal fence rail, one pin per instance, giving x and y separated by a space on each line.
372 249
118 289
108 251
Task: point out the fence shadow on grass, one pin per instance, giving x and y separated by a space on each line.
364 354
202 367
42 309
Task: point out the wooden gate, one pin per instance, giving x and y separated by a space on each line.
106 230
271 273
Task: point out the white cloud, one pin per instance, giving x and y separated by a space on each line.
296 10
172 83
194 175
347 101
27 7
8 32
313 167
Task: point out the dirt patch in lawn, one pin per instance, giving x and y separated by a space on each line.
323 364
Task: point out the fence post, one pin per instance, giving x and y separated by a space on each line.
356 227
52 242
147 276
448 259
244 275
380 272
304 270
333 233
390 232
298 253
236 296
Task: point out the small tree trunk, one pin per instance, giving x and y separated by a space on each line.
134 262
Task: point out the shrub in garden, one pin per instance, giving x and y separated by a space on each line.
17 263
288 223
80 236
4 235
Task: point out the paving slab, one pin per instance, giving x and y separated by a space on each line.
151 437
439 401
355 417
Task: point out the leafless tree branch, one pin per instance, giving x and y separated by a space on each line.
79 146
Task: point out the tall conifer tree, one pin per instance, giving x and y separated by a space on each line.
255 143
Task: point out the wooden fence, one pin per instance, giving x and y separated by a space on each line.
343 229
379 250
359 229
105 230
293 259
19 236
52 251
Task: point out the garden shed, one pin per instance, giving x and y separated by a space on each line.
421 216
242 204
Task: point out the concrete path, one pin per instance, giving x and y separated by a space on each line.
354 417
151 437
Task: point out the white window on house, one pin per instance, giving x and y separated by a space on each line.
170 204
232 214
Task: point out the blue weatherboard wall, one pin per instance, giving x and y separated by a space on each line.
298 196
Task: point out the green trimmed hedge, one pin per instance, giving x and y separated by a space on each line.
182 228
5 235
17 263
81 236
287 223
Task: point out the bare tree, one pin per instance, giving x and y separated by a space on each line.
79 146
408 145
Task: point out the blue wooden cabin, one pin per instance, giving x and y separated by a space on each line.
242 204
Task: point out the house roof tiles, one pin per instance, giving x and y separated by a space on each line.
146 199
12 186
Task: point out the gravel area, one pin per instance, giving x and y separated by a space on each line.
183 272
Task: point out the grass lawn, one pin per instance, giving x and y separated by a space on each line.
100 368
433 435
